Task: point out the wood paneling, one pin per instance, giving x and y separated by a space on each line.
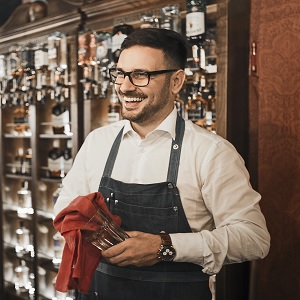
275 133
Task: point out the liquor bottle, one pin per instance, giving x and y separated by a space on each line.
210 51
210 114
21 117
149 21
57 51
87 48
63 52
58 246
27 57
24 200
3 70
170 18
104 60
26 167
67 157
23 239
56 193
114 109
60 117
196 108
18 161
41 60
179 104
119 33
55 161
195 29
22 277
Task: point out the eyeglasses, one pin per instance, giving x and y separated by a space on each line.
138 78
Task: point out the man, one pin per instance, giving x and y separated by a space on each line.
183 193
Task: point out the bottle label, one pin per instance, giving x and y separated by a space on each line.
55 165
113 117
60 120
195 24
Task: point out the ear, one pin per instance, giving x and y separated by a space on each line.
177 82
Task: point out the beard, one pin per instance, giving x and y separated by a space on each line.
150 110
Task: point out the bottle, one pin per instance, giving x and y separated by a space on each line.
60 118
179 104
24 200
55 161
27 57
196 108
26 167
23 239
87 48
119 33
58 246
170 18
56 193
22 277
67 157
195 21
18 162
195 30
20 117
103 52
149 21
57 51
210 51
114 109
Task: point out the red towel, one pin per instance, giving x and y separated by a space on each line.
80 258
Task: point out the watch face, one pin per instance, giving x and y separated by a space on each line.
167 253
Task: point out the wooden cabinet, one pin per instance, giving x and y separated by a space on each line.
230 19
275 143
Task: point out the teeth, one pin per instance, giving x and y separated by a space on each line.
127 99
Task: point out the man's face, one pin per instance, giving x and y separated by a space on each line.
152 103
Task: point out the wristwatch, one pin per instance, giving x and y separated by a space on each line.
166 252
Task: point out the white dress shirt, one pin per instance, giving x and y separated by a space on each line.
220 205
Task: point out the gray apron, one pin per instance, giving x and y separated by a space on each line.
148 208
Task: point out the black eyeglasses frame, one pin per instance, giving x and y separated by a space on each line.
149 74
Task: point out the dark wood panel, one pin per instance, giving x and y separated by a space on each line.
275 94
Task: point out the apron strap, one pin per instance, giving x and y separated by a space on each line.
176 151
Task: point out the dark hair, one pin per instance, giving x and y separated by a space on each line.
173 44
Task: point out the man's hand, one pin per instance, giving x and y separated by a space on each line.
139 250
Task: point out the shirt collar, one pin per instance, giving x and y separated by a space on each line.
167 125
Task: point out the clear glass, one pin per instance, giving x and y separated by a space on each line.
102 231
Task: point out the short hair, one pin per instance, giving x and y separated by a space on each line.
173 44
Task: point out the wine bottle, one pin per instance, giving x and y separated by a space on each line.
67 158
195 30
23 239
60 118
24 200
55 161
195 21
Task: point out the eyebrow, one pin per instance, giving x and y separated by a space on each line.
134 70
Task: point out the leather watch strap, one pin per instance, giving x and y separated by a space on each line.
165 239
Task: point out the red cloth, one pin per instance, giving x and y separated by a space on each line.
80 258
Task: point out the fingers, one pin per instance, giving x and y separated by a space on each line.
139 250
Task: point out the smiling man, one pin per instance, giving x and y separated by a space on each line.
183 193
